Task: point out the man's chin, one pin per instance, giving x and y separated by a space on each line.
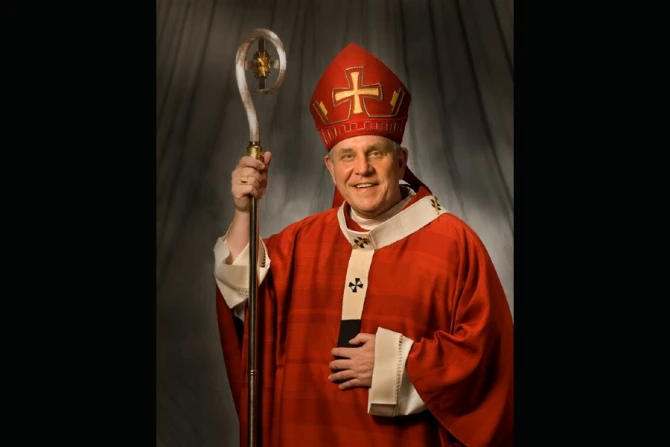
367 212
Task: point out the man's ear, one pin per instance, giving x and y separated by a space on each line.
403 156
329 166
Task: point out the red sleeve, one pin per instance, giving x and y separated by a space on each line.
231 330
465 376
230 345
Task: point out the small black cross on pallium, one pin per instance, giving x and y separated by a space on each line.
436 204
360 242
357 284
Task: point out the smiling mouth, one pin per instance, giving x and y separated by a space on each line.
364 185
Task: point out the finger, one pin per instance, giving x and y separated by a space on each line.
244 190
342 375
349 384
343 352
248 176
250 172
250 179
250 162
338 365
346 353
362 338
267 156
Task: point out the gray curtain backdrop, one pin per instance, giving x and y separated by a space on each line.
456 58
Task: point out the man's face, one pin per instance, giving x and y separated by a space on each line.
367 171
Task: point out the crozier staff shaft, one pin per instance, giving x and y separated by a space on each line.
262 65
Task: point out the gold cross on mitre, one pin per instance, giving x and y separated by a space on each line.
261 64
356 90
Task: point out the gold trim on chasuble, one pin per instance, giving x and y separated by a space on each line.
363 246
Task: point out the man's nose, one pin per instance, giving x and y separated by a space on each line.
363 166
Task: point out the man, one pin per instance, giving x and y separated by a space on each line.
383 321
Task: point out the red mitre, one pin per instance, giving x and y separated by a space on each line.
359 95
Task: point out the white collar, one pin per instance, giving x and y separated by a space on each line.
373 222
396 227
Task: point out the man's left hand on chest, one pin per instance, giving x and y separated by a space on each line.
355 367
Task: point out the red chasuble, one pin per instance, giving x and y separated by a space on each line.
423 274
